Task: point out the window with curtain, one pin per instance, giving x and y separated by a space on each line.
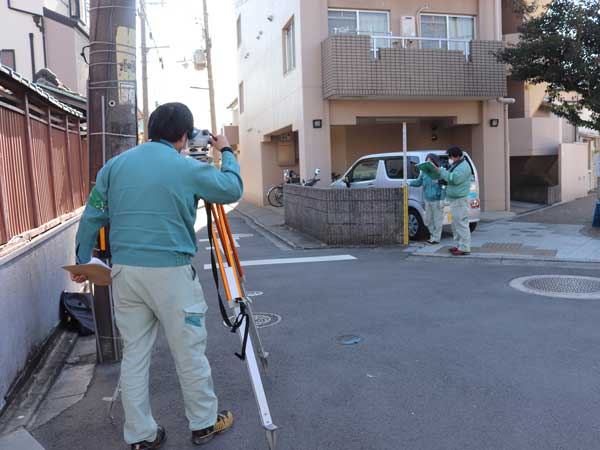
358 22
447 27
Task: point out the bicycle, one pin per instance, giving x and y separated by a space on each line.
275 193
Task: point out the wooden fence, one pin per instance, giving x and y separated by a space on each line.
44 174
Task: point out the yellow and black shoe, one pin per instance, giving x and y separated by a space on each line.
161 437
224 422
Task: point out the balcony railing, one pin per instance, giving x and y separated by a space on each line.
382 39
462 45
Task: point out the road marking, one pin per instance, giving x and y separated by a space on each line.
235 240
270 262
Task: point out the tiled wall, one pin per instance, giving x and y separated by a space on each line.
350 70
346 216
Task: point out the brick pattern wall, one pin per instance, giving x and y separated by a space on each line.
350 70
346 216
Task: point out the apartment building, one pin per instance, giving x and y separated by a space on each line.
46 33
551 160
322 83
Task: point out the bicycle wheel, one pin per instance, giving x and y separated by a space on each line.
275 196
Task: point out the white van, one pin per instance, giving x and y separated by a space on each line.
385 170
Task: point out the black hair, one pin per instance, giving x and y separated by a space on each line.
454 152
434 158
170 122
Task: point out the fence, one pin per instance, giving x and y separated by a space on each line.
43 160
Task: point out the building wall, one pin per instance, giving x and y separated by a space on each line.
32 281
63 52
15 27
574 172
275 103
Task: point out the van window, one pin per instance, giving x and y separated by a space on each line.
364 171
395 169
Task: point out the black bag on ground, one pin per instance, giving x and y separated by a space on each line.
76 312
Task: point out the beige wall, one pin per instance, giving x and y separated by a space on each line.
574 173
488 154
535 136
345 112
398 9
63 52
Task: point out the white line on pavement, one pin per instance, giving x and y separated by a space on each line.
269 262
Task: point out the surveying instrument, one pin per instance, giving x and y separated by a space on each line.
226 265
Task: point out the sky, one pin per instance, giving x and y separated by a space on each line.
178 24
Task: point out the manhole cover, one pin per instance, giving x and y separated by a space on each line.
348 339
261 319
561 286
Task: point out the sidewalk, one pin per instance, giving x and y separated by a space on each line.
271 220
560 233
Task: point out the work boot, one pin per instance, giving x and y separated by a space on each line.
224 422
452 249
161 437
458 252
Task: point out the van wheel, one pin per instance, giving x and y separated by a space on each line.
416 228
473 226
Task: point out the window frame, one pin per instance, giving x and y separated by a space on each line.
351 171
14 57
241 97
288 34
238 29
357 11
411 159
447 16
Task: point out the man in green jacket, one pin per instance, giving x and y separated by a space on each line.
149 195
458 177
434 210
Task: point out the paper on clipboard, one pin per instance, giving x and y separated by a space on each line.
96 271
429 169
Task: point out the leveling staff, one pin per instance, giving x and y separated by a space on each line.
149 195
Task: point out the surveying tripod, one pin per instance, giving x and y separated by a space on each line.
227 264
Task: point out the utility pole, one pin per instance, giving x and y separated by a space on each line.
144 67
112 126
211 88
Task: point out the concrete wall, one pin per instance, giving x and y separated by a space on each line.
349 143
535 136
574 173
63 51
31 281
346 216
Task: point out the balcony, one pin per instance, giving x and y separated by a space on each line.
400 67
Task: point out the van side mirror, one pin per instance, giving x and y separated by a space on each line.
347 181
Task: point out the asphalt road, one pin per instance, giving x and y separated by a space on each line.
452 358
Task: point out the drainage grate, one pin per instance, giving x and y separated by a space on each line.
561 286
262 319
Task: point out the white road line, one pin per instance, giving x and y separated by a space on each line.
270 262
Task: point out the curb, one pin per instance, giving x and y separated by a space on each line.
267 229
22 410
511 258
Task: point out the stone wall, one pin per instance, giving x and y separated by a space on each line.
346 216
